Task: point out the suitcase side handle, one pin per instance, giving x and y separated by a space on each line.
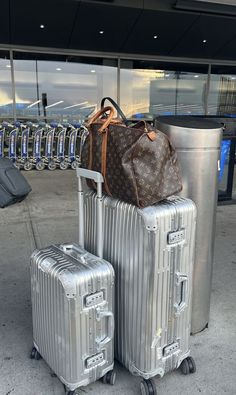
110 325
98 178
182 284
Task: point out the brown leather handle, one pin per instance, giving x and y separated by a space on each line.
98 115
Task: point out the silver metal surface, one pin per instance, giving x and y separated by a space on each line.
72 305
153 279
197 142
98 178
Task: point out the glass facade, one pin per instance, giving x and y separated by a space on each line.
6 93
70 88
149 89
61 88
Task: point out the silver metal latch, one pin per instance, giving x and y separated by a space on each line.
176 237
94 299
94 360
170 349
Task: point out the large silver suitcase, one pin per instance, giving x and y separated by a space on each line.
72 306
152 252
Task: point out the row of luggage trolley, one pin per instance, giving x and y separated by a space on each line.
41 145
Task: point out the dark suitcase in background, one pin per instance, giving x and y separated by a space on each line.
13 185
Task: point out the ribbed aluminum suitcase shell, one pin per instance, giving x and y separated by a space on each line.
72 305
152 252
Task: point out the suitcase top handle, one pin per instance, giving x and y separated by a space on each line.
91 174
98 178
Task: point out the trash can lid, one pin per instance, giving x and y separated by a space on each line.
189 122
191 132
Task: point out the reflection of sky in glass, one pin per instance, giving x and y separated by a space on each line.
5 88
72 89
161 92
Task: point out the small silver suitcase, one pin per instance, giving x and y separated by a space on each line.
152 252
72 306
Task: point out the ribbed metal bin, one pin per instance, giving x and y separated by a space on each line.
197 142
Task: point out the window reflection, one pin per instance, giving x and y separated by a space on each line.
6 102
222 95
62 90
159 91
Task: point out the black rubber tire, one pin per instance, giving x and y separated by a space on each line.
148 387
184 367
40 165
191 364
35 354
63 165
109 378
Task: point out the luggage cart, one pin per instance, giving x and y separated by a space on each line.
12 131
2 140
77 137
49 158
37 154
23 160
61 140
72 146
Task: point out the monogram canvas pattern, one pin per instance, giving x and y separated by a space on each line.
138 170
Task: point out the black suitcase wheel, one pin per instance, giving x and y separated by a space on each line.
35 354
109 378
148 387
188 366
68 392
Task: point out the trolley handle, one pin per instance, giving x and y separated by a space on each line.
98 179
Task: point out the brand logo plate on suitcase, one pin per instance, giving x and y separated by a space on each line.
176 237
94 360
94 299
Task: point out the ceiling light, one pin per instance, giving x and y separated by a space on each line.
101 31
8 66
55 104
155 36
42 26
58 69
93 71
33 104
196 76
204 41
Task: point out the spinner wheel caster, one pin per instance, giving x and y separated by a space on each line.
109 378
148 387
188 366
35 354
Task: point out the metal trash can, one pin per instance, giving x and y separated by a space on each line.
197 142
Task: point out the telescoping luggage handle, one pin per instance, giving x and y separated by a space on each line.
98 178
